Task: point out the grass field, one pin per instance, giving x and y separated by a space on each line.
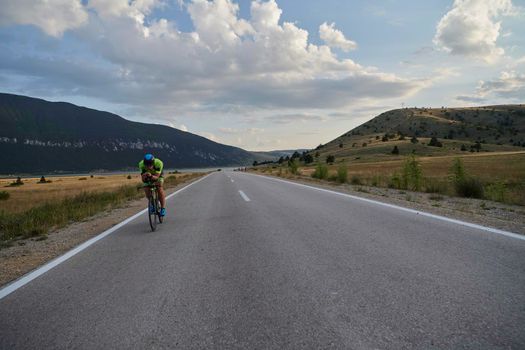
32 193
33 209
501 172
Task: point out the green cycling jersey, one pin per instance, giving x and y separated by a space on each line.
157 168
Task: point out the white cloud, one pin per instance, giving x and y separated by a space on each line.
226 63
335 38
471 29
54 17
509 86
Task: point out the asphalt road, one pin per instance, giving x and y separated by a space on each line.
277 266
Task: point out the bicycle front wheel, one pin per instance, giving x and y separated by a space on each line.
152 215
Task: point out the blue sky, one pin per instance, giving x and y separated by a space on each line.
263 74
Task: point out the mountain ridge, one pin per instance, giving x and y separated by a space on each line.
41 136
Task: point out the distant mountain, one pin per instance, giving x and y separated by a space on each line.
275 155
457 130
38 136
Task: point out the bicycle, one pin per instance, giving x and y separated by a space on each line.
154 202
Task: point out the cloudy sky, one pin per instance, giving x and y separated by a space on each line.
263 74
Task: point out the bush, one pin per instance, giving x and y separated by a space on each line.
470 188
294 166
464 185
434 142
4 195
129 177
395 181
321 172
356 180
496 191
342 173
18 182
414 139
411 176
395 150
434 186
330 158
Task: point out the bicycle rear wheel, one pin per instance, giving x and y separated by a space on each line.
158 211
152 215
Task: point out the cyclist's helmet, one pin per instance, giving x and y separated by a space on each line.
148 159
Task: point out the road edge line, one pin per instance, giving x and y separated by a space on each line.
417 212
25 279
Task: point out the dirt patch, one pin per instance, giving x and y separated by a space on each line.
482 212
26 255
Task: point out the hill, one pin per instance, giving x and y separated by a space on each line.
431 132
37 136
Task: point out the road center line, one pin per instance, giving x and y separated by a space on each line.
245 197
417 212
22 281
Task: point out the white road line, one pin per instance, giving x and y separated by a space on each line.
417 212
245 197
10 288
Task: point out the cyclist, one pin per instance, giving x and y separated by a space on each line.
151 171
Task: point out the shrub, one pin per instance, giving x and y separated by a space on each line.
43 181
330 158
434 142
395 181
496 191
4 195
470 188
129 177
321 172
434 186
18 182
414 139
294 166
356 180
395 150
342 173
464 185
411 176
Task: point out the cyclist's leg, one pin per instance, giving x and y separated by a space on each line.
147 191
160 190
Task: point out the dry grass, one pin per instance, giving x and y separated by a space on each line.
33 194
490 168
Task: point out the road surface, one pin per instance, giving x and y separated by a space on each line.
248 262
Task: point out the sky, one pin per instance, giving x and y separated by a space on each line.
263 74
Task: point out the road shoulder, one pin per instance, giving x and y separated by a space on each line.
27 255
481 212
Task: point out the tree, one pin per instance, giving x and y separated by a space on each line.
255 163
414 140
395 150
281 160
330 158
463 148
385 138
308 158
341 145
435 142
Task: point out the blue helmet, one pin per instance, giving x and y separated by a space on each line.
148 159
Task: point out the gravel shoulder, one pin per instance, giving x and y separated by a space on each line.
482 212
29 254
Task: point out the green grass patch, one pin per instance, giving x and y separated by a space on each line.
4 195
38 221
320 172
